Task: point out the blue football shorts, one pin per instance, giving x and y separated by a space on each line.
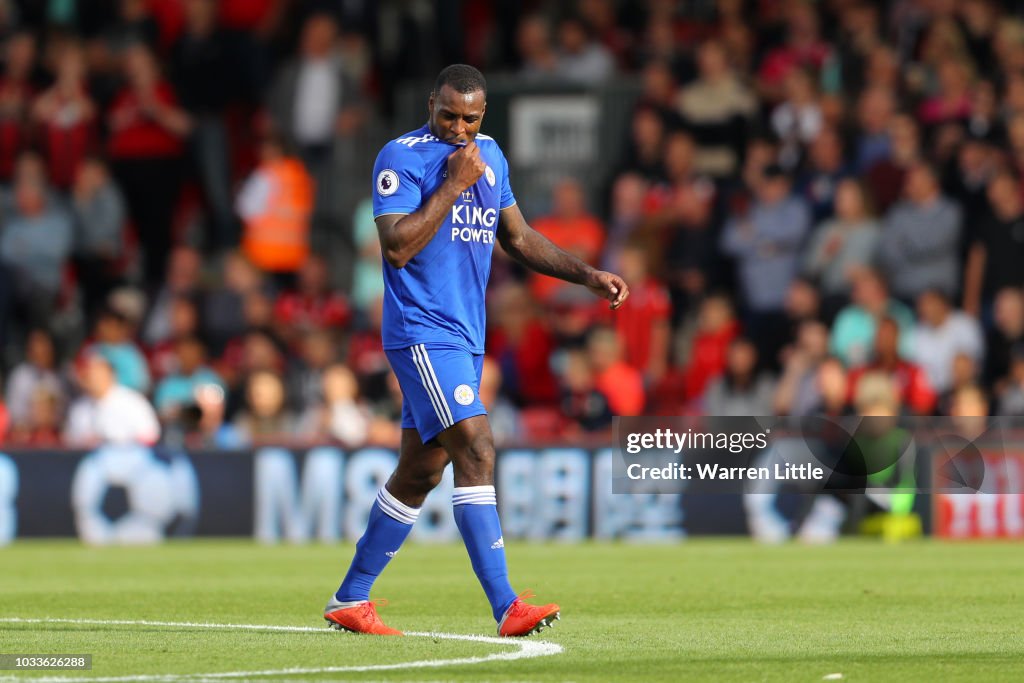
440 386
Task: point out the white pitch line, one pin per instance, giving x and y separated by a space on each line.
527 650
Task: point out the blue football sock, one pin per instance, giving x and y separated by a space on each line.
476 514
390 522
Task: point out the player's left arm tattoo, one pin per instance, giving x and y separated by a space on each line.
533 250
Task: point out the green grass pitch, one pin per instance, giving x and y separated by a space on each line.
714 610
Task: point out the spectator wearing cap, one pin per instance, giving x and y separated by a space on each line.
108 412
920 244
766 245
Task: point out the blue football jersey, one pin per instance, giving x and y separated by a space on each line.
438 297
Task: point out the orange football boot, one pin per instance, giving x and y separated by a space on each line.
360 617
524 619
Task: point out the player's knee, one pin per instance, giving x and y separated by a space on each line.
425 482
477 459
412 487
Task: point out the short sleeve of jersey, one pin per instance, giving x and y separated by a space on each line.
507 198
396 180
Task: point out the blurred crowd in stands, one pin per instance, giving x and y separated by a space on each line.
818 207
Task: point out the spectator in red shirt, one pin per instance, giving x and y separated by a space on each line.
571 227
66 116
366 355
716 328
644 328
620 383
147 135
915 392
3 422
952 100
803 48
522 346
312 305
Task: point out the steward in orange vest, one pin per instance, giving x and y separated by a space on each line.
275 204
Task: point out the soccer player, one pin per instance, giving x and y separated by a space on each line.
441 200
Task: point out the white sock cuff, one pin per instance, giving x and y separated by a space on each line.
395 508
474 495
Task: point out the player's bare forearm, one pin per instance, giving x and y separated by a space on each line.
536 252
404 236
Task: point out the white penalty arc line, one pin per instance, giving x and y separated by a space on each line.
526 650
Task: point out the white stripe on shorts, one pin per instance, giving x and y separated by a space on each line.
419 358
437 385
